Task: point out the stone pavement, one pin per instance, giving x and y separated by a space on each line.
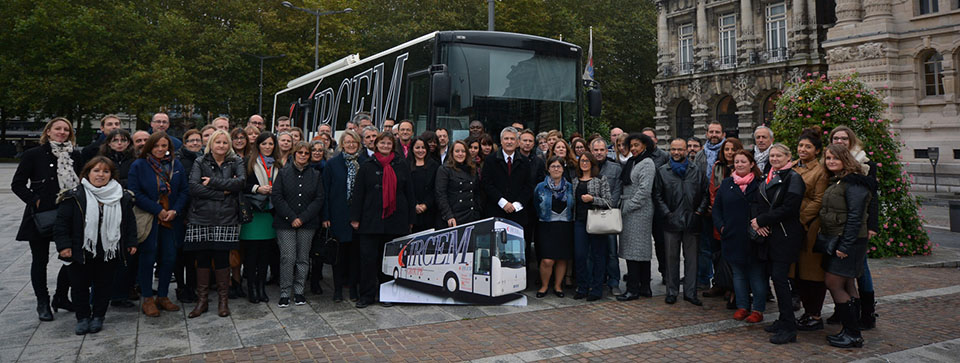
546 328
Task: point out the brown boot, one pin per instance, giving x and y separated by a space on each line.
149 306
165 304
223 291
203 288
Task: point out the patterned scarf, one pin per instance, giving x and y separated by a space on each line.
164 170
558 189
711 150
352 167
389 183
761 157
66 176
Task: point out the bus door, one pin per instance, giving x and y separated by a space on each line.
483 263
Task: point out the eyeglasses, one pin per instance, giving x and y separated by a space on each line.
160 122
301 152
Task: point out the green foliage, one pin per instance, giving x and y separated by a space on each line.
819 101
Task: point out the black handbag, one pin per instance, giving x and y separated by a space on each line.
756 237
45 222
246 213
826 244
326 248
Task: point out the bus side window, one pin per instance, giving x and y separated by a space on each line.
481 257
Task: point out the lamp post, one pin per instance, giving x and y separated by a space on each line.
316 34
263 58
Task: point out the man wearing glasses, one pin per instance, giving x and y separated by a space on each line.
256 121
161 122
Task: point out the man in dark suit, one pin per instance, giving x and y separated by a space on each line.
507 180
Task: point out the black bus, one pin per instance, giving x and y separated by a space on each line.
447 79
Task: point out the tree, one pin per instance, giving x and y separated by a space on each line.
820 101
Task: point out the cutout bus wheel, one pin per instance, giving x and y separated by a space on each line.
396 274
450 283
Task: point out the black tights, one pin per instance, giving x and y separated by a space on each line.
638 276
841 288
220 259
40 253
256 258
184 270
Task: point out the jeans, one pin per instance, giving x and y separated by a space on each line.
705 258
865 281
589 256
612 262
779 272
673 242
161 243
750 277
294 259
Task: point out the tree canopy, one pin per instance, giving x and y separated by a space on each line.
86 57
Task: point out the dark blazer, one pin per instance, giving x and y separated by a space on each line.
424 192
71 215
779 209
209 205
93 149
297 194
367 205
681 201
336 208
38 165
456 194
517 186
732 211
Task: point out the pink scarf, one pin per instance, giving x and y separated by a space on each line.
389 183
772 170
743 181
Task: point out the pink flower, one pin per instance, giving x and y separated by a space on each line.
808 116
879 165
809 108
837 98
855 106
853 119
827 115
823 122
858 95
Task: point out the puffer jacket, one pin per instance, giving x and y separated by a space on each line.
71 218
845 213
682 201
209 205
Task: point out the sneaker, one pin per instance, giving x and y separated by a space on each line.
755 317
284 302
299 300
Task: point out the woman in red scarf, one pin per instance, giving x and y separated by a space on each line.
382 208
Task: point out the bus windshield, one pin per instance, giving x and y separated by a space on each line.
500 86
511 253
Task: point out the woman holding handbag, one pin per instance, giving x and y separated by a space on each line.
257 236
159 185
843 238
49 168
590 191
318 160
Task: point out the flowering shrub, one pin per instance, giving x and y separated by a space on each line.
827 103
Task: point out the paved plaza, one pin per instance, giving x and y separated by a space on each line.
917 305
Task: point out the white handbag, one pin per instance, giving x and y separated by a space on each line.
604 221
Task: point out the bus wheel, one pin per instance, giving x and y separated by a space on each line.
450 283
396 274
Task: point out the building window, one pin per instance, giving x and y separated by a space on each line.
728 40
686 48
921 154
777 31
929 6
933 74
684 119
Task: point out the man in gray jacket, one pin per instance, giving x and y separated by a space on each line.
681 200
610 171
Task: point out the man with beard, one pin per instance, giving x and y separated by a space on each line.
139 139
256 121
705 160
694 145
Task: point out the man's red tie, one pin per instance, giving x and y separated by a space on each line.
509 165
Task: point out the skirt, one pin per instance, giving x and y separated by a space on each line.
219 238
260 228
555 240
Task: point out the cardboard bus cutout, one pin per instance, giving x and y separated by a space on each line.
481 262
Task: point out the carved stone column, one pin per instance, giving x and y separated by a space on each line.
746 25
848 12
877 9
799 24
664 56
703 42
812 26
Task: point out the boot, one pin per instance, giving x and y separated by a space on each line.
60 301
223 291
203 289
43 308
262 287
850 336
868 308
165 304
254 296
149 307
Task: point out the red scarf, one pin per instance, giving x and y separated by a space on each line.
389 183
743 181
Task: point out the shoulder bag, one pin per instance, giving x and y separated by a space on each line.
604 221
826 244
144 223
45 222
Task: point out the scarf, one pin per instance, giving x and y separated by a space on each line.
772 171
164 169
109 231
264 170
352 167
712 150
66 176
680 167
861 157
761 157
559 189
743 181
389 183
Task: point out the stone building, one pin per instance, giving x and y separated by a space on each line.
728 60
908 50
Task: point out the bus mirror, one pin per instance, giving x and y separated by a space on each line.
439 87
501 235
593 99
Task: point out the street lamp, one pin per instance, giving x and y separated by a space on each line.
316 33
263 58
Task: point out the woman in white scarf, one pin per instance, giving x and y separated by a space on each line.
94 221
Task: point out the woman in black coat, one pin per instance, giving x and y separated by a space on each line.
382 209
95 251
457 188
734 206
339 176
778 223
423 170
49 168
297 200
844 217
118 147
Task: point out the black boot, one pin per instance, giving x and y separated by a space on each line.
43 308
261 287
850 335
254 295
60 301
868 308
838 311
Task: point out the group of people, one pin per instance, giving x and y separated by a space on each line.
223 205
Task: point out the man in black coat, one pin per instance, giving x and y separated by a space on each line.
681 199
107 124
507 181
660 158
